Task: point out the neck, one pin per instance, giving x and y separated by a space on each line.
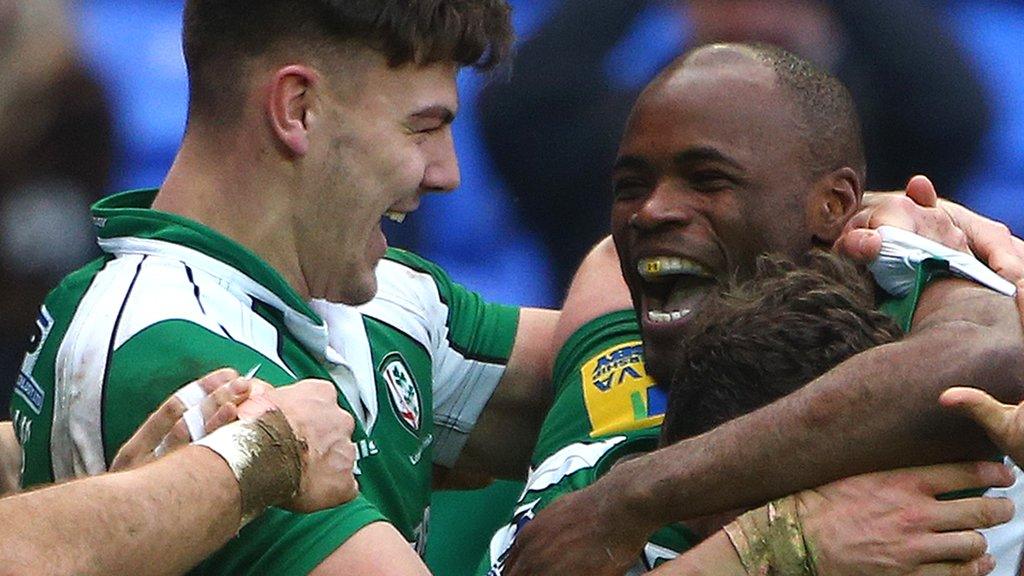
237 197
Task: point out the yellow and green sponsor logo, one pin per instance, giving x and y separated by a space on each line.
618 393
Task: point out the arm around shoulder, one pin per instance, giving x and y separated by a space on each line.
375 550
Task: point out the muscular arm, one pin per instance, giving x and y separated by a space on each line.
364 551
504 436
507 430
597 289
170 514
174 512
877 410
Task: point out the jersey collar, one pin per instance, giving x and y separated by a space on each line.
125 223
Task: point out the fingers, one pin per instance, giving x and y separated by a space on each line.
990 413
991 241
921 190
140 447
204 403
942 478
1007 263
977 567
953 546
971 514
176 438
233 393
861 245
224 415
214 380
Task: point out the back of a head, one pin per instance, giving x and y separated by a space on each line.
220 37
766 337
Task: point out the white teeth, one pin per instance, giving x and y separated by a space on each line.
395 216
670 265
678 314
659 317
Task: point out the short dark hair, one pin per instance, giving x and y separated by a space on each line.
822 106
766 337
218 35
825 108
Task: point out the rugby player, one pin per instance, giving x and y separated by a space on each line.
760 340
309 121
732 151
166 516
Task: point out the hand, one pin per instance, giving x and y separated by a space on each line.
890 522
915 211
991 241
1004 423
585 532
224 392
311 407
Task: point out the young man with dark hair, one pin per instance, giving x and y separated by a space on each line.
309 122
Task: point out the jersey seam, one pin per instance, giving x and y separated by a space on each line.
199 301
110 356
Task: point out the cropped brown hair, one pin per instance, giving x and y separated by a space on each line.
766 337
218 35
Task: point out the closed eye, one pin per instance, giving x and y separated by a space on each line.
710 181
629 187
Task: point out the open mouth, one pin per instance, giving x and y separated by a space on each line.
395 216
673 287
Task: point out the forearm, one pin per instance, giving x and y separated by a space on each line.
162 518
504 436
712 557
876 411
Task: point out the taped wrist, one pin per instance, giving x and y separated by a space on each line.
770 541
265 457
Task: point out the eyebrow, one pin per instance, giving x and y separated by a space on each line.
704 154
683 159
437 111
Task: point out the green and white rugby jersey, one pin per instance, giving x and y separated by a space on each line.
172 300
607 407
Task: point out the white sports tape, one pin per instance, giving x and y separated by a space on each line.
894 269
195 422
190 394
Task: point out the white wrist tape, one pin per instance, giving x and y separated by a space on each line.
895 269
265 458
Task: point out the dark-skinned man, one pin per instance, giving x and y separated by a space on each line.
729 152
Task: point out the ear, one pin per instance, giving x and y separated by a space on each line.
835 199
289 102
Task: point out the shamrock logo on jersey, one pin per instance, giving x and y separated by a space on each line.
405 396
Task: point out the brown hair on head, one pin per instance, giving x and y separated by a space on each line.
766 337
219 35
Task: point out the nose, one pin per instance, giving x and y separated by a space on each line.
441 173
667 204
